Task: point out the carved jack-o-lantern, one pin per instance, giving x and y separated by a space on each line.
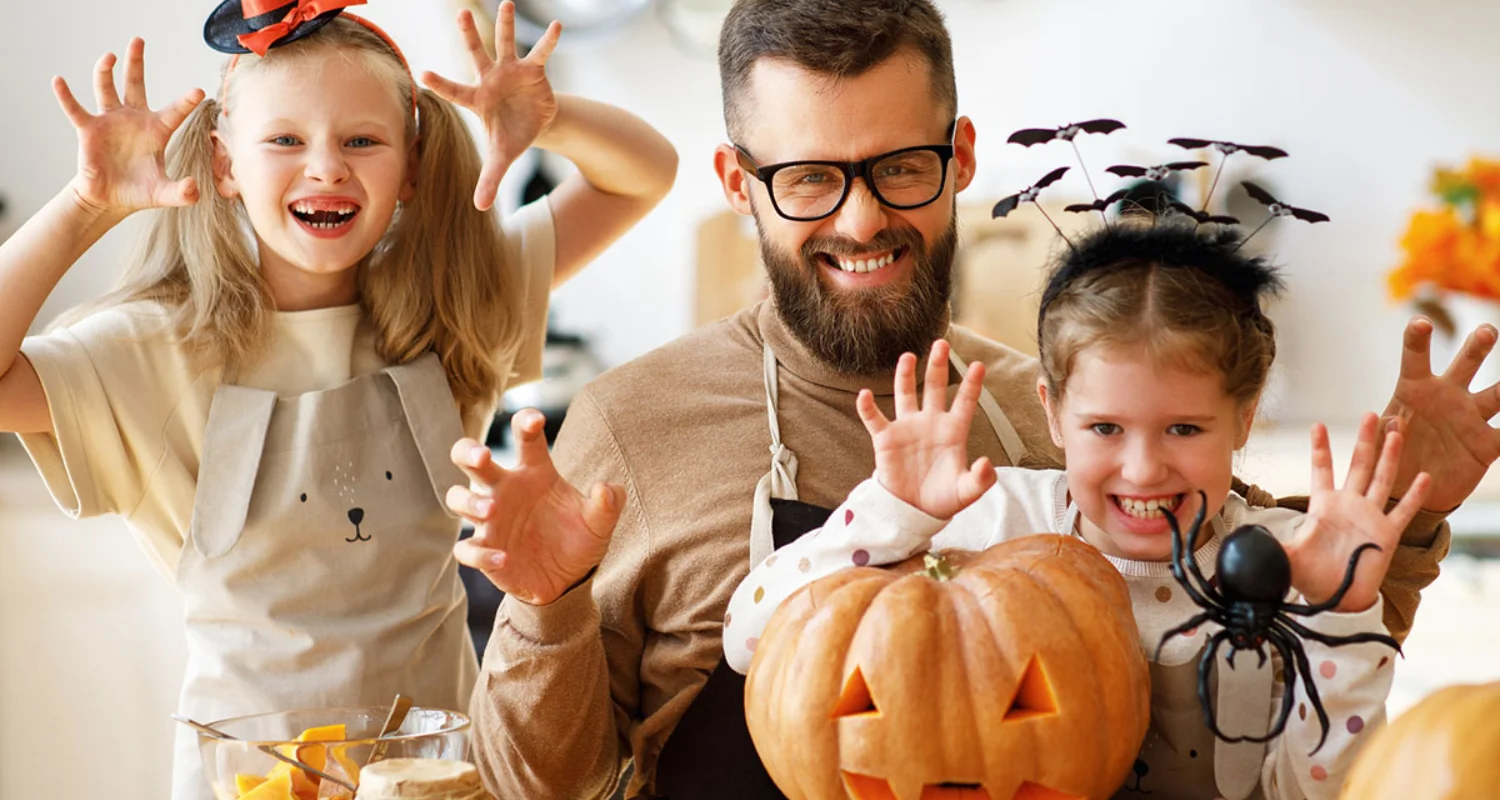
1443 748
1012 673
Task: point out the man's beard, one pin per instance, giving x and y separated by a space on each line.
863 331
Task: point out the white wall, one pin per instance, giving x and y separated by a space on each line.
1366 95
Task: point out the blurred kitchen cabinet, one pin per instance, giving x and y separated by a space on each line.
91 652
729 275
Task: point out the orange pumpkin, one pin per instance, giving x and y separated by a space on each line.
1015 672
1446 747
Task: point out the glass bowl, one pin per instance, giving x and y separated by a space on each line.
233 768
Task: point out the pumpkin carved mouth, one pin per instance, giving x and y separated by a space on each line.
866 787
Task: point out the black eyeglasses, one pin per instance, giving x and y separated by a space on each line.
805 191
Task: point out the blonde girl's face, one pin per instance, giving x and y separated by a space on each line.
316 148
1141 439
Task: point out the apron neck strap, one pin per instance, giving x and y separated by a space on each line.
1010 441
780 482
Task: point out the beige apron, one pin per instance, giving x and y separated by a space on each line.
319 565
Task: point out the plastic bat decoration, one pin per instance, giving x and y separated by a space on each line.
1230 148
1203 217
1156 173
1098 205
1031 136
1028 195
1280 209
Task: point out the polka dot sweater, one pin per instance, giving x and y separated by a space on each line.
1180 756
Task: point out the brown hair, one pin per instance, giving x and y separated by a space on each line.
838 38
1190 301
436 281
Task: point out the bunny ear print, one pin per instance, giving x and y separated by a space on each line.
256 26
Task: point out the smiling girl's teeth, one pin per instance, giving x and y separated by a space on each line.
323 218
867 265
1148 509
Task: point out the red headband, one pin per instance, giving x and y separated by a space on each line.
306 10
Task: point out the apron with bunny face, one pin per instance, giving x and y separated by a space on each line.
319 567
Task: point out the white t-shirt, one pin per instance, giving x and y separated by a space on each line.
130 405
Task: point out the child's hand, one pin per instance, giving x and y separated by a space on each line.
1340 520
122 149
513 96
922 456
535 536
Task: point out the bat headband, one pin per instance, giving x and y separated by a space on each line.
238 27
1214 251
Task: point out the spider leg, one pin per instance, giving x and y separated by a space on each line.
1338 596
1203 699
1186 626
1288 687
1205 597
1295 647
1260 650
1336 641
1192 544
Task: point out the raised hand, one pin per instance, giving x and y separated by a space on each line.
122 149
1447 427
1340 520
535 535
922 456
512 95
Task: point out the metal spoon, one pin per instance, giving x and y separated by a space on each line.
393 721
267 749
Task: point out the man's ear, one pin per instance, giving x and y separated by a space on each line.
963 154
224 181
1047 405
732 179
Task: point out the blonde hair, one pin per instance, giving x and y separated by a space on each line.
435 282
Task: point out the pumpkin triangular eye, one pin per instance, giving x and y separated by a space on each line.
855 699
1034 696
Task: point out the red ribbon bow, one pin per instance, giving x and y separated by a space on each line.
258 42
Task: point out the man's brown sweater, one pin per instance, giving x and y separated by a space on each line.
572 690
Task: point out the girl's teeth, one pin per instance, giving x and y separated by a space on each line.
1147 509
867 265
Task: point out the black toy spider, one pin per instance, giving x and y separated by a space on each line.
1254 577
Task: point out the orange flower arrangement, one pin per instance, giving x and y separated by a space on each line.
1455 248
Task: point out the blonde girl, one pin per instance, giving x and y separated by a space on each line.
323 305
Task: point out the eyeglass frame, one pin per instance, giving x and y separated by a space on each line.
851 170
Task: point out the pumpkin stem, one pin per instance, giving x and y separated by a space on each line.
938 567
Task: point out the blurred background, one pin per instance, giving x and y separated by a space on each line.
1373 98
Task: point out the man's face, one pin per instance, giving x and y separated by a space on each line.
870 282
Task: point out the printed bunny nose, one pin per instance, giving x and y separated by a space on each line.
356 515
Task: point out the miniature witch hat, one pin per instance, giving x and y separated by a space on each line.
256 26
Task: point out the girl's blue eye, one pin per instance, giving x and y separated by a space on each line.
284 140
1105 428
361 141
1184 429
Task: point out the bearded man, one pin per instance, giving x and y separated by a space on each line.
847 147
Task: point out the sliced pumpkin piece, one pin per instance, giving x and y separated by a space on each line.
244 783
278 787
